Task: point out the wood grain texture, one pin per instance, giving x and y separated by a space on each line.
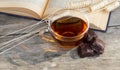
9 23
110 60
114 18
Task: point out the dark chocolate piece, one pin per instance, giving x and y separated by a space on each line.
84 50
91 45
98 46
89 36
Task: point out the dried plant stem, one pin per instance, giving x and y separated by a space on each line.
112 6
24 29
3 51
31 26
16 39
100 5
80 4
6 44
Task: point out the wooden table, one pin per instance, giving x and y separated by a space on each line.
110 60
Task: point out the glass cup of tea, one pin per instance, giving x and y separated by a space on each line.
67 28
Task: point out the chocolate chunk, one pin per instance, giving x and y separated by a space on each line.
98 46
91 45
89 36
84 50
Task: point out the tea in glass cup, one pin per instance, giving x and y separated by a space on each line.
68 30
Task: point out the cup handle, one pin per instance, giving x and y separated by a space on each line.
45 35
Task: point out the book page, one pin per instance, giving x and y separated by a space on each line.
37 6
18 13
97 20
54 5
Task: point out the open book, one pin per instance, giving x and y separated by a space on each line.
42 8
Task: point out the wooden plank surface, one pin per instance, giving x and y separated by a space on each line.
114 18
110 60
